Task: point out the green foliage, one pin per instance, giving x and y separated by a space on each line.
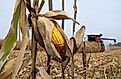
11 37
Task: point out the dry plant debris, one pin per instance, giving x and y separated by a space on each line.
102 65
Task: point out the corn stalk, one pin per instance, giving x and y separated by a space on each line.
75 13
50 5
9 43
34 41
63 10
84 60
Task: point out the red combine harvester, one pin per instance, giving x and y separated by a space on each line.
97 38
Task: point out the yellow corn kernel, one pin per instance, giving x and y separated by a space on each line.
57 38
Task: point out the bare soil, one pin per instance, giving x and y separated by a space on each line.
101 65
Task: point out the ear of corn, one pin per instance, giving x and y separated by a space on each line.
57 38
58 41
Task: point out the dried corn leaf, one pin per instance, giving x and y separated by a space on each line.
79 36
24 29
43 73
11 37
7 69
58 15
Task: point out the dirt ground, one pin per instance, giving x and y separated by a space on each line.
101 65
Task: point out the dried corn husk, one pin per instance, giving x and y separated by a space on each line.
43 33
7 69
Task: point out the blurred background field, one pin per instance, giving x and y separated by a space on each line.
101 65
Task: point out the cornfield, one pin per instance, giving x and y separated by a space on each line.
28 59
101 65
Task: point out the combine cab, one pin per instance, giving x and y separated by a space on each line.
97 38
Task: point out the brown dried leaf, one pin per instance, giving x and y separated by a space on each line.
58 15
80 35
43 73
24 29
7 69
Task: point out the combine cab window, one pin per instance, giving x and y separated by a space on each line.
91 38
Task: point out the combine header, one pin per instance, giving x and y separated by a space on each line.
97 38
